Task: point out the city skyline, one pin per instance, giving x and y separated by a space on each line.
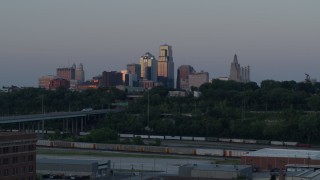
279 40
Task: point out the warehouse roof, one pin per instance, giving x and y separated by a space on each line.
292 153
65 161
217 167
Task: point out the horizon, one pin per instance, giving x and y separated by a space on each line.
278 40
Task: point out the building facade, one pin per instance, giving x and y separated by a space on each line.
238 73
58 83
197 79
183 76
134 69
68 73
18 156
166 66
44 81
80 74
148 67
111 79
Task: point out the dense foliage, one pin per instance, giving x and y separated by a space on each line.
274 110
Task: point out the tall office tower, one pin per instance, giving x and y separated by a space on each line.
134 69
238 73
80 74
166 66
197 79
183 76
148 67
67 73
112 78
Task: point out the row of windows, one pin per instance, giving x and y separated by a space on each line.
14 149
15 159
15 171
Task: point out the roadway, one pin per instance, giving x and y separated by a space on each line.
52 116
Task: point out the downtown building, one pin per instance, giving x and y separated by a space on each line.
111 79
238 73
134 69
197 79
183 73
166 66
67 73
18 156
148 67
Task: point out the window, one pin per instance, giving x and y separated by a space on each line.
5 150
5 161
14 160
23 159
15 171
30 168
15 149
30 148
30 158
5 172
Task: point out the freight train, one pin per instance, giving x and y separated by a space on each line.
144 149
214 139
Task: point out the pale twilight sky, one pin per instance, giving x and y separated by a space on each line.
280 40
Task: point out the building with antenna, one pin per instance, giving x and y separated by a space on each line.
238 73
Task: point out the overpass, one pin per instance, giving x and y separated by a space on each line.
53 116
70 119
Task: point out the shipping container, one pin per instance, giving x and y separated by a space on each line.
213 139
44 143
172 137
63 144
209 152
250 141
237 140
277 143
110 147
234 153
224 140
142 136
155 149
199 138
290 143
181 150
131 148
156 137
126 135
263 142
82 145
186 138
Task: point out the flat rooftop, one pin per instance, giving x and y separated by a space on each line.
287 153
217 167
67 161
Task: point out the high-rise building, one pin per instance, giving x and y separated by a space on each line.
44 81
112 78
80 74
238 73
148 67
183 76
67 73
18 155
58 83
166 66
134 69
197 79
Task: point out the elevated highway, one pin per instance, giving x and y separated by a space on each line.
53 116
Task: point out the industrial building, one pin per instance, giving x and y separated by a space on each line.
215 171
267 159
73 168
17 155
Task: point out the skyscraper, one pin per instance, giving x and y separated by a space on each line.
166 66
67 73
197 79
148 67
183 76
238 73
134 69
80 74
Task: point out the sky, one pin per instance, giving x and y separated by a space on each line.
280 40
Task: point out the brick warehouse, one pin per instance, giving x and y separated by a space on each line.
266 159
17 156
